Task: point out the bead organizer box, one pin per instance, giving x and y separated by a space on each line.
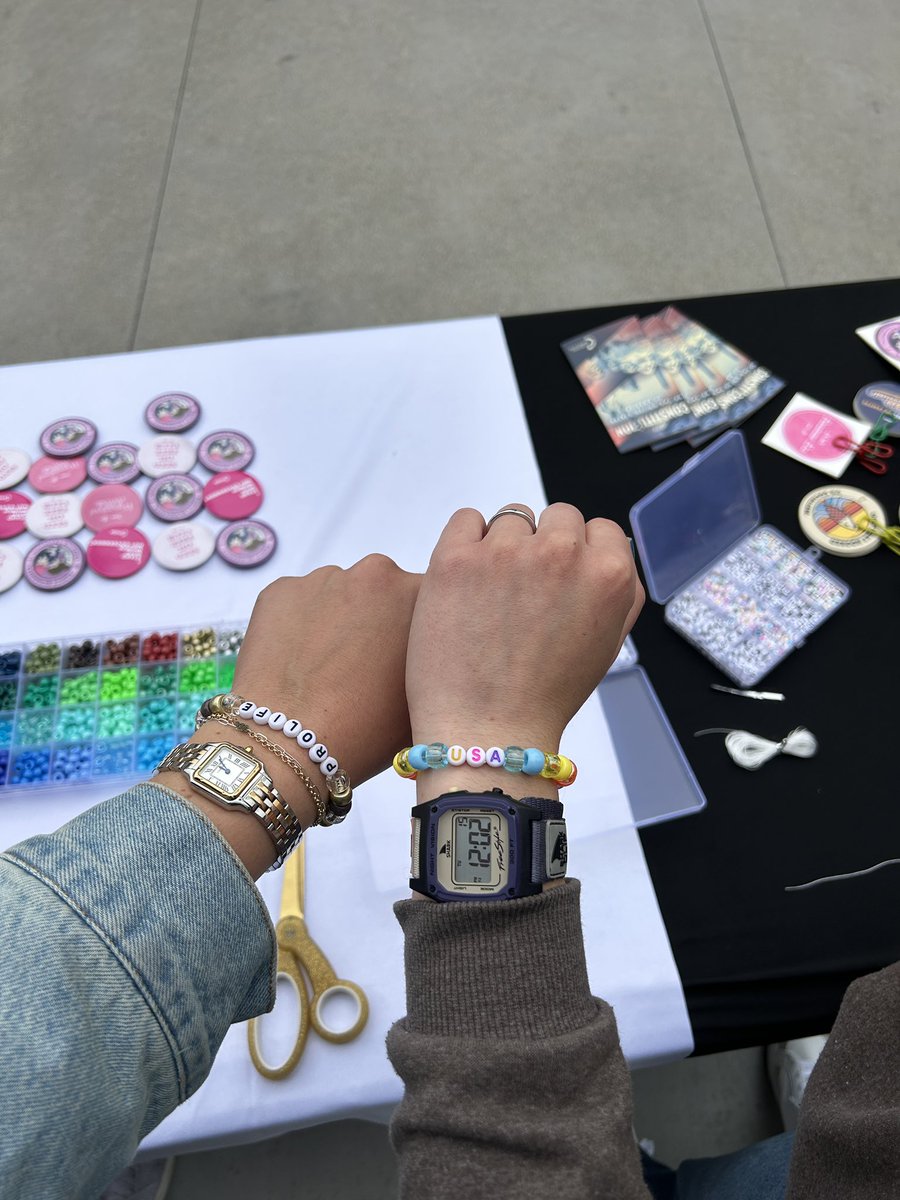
106 707
742 593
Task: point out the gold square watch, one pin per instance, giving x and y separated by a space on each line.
233 777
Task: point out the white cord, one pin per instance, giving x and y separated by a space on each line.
750 751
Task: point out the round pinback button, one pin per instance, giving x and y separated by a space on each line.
114 462
175 497
68 436
232 495
167 454
111 504
226 450
57 474
11 567
172 412
877 399
183 546
14 507
54 516
14 466
246 543
835 518
118 552
54 564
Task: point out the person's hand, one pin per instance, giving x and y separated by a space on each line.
513 630
329 649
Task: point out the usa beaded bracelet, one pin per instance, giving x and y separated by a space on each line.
556 767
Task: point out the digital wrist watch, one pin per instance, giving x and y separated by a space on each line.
486 846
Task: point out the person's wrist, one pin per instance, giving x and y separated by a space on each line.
436 781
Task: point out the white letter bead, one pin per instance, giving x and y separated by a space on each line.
495 756
318 752
261 716
328 767
474 756
291 728
276 720
456 755
306 738
247 709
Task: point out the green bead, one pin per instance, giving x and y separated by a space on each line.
158 681
7 694
43 657
198 677
40 692
80 688
226 674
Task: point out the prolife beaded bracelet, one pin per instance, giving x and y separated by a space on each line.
556 767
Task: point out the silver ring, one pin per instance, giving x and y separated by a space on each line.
513 512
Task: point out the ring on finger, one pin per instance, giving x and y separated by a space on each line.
514 512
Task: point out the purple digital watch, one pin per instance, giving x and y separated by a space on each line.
486 846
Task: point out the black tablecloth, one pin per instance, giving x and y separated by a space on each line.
759 964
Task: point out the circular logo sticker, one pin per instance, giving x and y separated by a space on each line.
888 339
836 518
54 564
68 437
877 400
116 462
175 497
246 543
13 508
232 495
57 474
118 552
173 412
226 450
14 466
111 504
812 434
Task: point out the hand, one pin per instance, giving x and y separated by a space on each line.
513 630
329 649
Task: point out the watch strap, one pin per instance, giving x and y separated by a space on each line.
262 799
549 841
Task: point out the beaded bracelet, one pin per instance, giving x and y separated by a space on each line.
556 767
337 781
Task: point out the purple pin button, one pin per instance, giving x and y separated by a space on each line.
68 437
226 450
54 564
114 462
175 497
246 543
172 412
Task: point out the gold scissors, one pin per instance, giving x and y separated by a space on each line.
298 953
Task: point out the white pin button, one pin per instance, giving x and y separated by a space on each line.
167 454
14 466
11 565
55 516
184 546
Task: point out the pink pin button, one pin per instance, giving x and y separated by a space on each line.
57 474
232 495
13 507
112 505
117 553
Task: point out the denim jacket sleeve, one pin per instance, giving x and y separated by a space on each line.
131 939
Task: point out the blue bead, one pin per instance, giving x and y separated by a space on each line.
416 757
515 758
436 755
534 761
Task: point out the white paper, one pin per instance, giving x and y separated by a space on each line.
806 431
366 441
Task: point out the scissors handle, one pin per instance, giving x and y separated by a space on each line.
324 983
287 969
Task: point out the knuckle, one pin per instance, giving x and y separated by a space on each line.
377 564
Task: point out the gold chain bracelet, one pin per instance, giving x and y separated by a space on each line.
227 719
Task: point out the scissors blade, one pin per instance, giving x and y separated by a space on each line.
294 886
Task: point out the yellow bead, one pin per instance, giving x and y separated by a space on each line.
551 766
401 764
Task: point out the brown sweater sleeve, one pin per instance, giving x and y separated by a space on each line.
848 1136
515 1083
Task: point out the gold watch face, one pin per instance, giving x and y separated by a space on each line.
227 771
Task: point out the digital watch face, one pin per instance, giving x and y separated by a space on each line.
474 851
227 771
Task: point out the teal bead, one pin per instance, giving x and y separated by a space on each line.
534 761
34 728
115 720
436 755
515 759
416 757
75 724
7 694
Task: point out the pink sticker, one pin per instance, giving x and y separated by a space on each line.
57 474
811 433
232 495
113 504
13 507
118 553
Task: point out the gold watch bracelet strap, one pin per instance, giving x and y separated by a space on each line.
265 801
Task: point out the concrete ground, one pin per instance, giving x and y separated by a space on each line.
196 170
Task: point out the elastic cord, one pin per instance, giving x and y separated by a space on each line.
750 751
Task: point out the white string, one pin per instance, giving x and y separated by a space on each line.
799 887
750 751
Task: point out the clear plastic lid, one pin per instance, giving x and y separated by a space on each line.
693 517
